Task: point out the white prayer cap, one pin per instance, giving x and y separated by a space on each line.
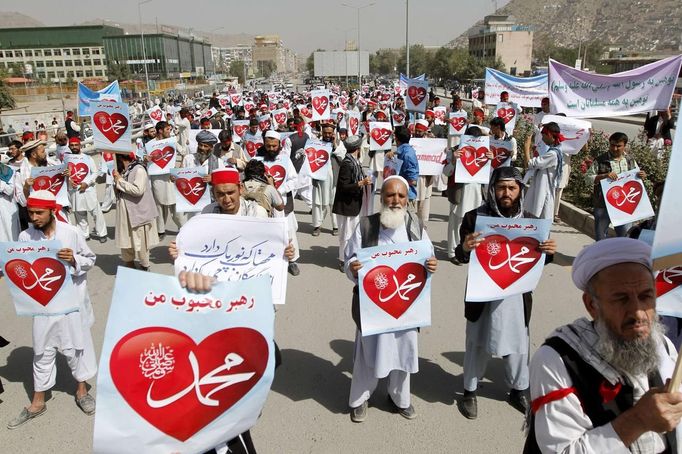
148 126
396 177
606 253
270 134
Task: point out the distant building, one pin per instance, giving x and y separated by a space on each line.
500 36
57 53
270 48
223 56
168 56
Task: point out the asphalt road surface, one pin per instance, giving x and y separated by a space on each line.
307 409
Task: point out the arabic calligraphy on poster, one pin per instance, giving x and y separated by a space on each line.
394 286
111 122
473 165
626 198
234 248
161 154
51 178
508 261
186 373
40 283
191 191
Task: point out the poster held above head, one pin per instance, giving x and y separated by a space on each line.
523 91
321 109
161 156
473 166
111 122
191 191
87 96
380 135
417 95
156 114
576 132
457 123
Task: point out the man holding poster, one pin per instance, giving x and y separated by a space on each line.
68 333
394 354
499 327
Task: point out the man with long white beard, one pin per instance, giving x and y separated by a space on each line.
393 355
597 385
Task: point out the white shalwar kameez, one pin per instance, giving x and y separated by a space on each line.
323 193
500 331
164 196
9 221
542 173
86 202
70 333
289 185
394 355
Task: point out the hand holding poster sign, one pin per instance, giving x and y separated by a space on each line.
111 123
576 132
457 123
320 103
392 167
380 135
161 155
502 153
188 371
395 287
626 198
39 282
439 113
233 248
473 165
51 178
156 114
508 261
430 154
191 191
417 95
318 154
80 169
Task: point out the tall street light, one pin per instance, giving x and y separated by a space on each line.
358 8
144 52
407 38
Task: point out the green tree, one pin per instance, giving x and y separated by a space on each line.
383 62
237 70
419 60
6 99
118 72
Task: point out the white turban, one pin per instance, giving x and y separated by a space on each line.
270 134
605 253
395 177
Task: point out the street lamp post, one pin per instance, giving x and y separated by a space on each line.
407 38
144 52
358 8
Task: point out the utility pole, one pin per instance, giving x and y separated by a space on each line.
407 38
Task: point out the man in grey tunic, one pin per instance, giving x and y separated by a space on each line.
393 355
498 328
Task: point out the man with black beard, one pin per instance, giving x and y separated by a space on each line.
597 385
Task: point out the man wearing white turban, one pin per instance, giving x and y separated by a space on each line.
597 385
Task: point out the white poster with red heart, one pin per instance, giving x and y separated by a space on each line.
668 284
430 155
398 118
473 165
239 127
80 167
626 198
279 116
507 112
457 123
224 101
233 248
264 122
394 287
51 178
380 135
576 132
439 115
156 114
392 166
417 95
339 115
39 282
320 103
191 191
236 99
251 143
111 123
508 261
354 118
306 113
502 153
318 154
181 371
161 154
108 163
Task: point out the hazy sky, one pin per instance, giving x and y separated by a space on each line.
303 25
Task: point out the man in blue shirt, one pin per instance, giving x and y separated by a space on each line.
410 168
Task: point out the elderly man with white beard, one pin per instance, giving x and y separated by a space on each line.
393 355
597 385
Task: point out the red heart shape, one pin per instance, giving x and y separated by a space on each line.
320 104
497 254
440 114
108 156
236 99
25 276
306 112
389 171
381 135
473 159
156 114
191 189
506 113
52 184
281 118
240 129
248 106
626 197
353 123
264 125
668 279
398 118
161 157
458 123
111 126
416 94
316 158
252 147
78 171
278 174
382 284
223 102
152 365
339 116
500 156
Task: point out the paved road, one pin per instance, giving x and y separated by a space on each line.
307 408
